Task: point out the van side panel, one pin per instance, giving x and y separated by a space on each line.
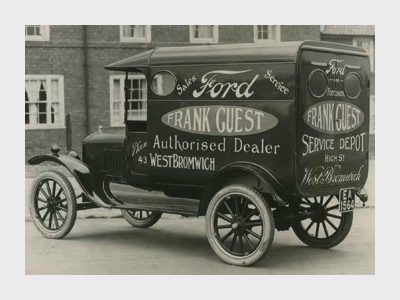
219 115
333 122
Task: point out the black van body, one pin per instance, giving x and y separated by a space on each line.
298 155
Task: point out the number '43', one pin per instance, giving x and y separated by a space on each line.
142 159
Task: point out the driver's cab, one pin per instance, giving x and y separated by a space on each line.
141 83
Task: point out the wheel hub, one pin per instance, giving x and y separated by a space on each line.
52 202
319 212
238 226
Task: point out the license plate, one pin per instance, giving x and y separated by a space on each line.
347 200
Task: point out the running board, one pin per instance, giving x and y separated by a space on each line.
171 208
134 198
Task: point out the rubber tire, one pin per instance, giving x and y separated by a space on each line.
326 243
63 181
153 219
265 213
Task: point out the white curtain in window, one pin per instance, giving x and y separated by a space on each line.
55 113
32 88
54 90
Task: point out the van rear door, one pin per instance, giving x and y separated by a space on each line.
333 122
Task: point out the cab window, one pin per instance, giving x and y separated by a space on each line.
135 87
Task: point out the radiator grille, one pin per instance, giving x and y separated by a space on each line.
113 160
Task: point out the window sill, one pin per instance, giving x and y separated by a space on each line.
45 127
265 41
36 39
133 40
203 41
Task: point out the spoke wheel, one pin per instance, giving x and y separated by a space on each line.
53 204
141 218
240 225
327 227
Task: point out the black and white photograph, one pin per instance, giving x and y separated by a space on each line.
240 158
195 149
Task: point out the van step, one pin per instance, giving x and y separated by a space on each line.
134 198
171 208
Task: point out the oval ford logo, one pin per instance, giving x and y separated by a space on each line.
220 120
334 117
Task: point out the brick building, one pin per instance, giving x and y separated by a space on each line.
68 94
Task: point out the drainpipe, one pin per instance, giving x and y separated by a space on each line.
86 77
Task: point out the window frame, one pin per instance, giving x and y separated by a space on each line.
213 40
43 37
131 39
371 50
275 29
122 77
61 101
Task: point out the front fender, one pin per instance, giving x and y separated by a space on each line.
80 171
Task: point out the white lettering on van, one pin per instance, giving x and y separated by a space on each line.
333 67
211 85
220 120
279 85
334 117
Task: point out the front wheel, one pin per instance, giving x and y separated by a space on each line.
240 225
53 204
327 227
141 218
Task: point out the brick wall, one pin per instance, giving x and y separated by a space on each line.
300 32
62 55
40 141
231 34
338 39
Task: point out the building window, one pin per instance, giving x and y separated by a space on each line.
204 34
137 99
37 32
267 33
368 45
44 101
135 33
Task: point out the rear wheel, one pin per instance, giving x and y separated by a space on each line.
53 204
141 218
327 227
240 226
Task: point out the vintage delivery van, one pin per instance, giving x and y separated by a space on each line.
254 137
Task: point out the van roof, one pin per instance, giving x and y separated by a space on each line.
229 53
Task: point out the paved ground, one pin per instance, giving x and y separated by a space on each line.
177 245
